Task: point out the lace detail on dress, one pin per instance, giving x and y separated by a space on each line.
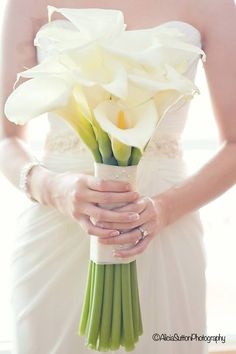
166 145
62 142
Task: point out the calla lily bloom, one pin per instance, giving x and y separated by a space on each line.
93 67
133 66
58 96
76 114
85 26
103 140
38 96
154 47
140 122
89 67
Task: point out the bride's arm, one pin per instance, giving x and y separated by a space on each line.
17 52
218 26
219 174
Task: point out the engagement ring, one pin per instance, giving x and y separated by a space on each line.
144 233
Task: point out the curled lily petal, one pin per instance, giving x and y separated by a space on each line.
168 84
155 47
59 36
37 96
102 24
169 80
50 66
92 67
95 95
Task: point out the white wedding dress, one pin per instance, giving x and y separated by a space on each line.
51 253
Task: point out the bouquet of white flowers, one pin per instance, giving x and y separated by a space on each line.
113 86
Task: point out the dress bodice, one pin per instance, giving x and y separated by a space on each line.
167 137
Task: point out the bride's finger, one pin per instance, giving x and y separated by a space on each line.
145 216
104 215
91 229
136 249
137 206
132 236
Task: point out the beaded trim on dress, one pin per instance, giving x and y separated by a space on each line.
162 144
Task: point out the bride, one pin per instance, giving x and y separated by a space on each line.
51 249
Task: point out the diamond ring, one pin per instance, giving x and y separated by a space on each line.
144 233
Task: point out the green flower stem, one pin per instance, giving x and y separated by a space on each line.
121 152
127 308
136 155
88 137
105 327
122 337
97 156
85 310
112 161
123 163
117 310
96 310
140 332
135 300
91 285
104 143
103 140
135 280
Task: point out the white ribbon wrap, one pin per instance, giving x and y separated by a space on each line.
101 253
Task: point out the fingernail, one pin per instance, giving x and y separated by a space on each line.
115 233
133 216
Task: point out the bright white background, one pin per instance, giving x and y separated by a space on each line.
200 143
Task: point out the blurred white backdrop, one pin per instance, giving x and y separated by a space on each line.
200 142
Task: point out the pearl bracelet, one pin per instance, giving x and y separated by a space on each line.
23 179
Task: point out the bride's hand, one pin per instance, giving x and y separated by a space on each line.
77 195
153 217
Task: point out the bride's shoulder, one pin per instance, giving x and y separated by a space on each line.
26 13
212 17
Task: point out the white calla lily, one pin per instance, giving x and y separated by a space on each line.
166 87
50 66
153 51
58 36
141 122
93 24
154 48
169 79
140 72
88 67
93 67
152 59
37 96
